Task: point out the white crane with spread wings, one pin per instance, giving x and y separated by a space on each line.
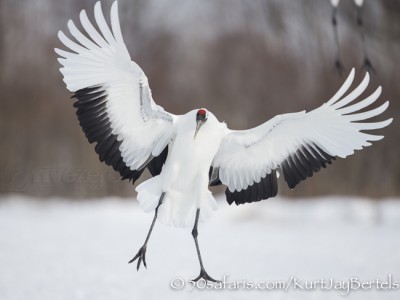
187 153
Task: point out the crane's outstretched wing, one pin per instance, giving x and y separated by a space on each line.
114 103
299 144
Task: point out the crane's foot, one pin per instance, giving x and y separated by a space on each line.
140 256
203 274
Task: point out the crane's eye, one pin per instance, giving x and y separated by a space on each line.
201 114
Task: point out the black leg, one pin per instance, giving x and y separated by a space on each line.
142 251
203 274
367 62
338 62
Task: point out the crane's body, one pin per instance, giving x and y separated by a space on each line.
185 175
188 153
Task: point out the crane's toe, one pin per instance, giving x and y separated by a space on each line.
141 257
203 274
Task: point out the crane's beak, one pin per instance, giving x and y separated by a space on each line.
199 123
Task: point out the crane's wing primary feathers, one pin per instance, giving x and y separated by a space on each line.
114 104
299 144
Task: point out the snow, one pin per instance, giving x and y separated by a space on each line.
60 249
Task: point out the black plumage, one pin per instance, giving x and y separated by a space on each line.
266 188
93 118
296 167
214 181
304 163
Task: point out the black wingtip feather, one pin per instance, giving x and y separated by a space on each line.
296 167
214 181
304 163
93 118
266 188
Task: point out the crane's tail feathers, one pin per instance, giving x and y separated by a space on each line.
149 193
179 206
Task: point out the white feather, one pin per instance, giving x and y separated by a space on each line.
331 127
335 3
354 94
105 62
343 89
359 2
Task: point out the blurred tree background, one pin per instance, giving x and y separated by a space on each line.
245 60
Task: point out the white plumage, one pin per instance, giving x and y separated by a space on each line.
187 153
246 156
359 2
335 3
185 175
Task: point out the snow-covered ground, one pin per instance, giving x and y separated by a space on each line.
79 250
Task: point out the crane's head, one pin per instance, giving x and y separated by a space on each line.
201 118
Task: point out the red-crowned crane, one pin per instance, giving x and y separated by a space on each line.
188 153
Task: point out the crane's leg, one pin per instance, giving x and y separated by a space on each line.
338 62
141 255
203 274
